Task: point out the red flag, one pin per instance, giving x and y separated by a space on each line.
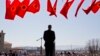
7 7
34 6
8 3
89 8
96 7
11 9
66 7
22 8
51 9
49 6
80 4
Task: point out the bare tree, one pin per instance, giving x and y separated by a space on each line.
93 47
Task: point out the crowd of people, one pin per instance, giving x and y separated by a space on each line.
69 54
13 53
62 53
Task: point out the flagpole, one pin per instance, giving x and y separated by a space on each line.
41 45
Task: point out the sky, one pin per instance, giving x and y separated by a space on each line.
72 31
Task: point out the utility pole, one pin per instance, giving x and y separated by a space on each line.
41 45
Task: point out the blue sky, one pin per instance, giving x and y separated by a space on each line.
72 31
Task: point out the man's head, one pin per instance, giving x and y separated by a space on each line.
49 27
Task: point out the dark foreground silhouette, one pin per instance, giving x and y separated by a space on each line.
49 38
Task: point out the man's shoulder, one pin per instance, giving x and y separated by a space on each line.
48 31
45 30
52 31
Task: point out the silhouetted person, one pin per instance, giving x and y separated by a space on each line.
61 54
49 38
10 53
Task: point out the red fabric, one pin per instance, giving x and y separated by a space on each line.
96 7
22 8
90 7
66 7
80 4
34 6
49 6
11 9
51 9
7 7
8 3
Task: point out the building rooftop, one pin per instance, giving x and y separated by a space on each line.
7 43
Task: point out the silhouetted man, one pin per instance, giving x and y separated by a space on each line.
49 38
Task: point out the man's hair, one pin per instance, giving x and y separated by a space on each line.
50 26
